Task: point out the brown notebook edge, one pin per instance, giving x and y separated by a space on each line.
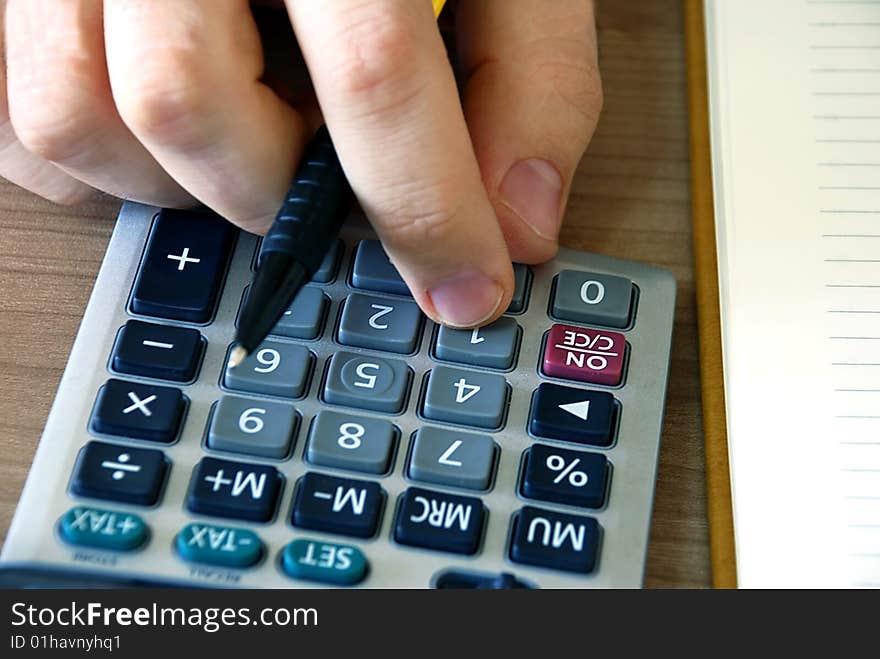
719 502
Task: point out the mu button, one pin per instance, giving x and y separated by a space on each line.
237 490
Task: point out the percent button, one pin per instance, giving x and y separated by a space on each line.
558 475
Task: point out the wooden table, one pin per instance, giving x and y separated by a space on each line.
630 199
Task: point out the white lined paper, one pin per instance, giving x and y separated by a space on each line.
795 112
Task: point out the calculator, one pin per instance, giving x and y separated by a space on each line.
361 444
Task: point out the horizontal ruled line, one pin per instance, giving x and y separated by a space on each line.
851 187
852 285
860 443
856 338
855 363
860 470
848 164
837 117
858 391
851 235
848 211
852 260
857 416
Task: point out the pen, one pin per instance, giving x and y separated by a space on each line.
309 220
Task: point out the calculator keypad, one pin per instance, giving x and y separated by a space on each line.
350 441
337 505
378 323
274 368
140 411
467 397
253 427
452 398
157 351
369 383
119 473
236 490
183 266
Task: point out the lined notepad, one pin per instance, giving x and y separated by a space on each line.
794 89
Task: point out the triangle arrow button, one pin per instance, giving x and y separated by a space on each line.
580 409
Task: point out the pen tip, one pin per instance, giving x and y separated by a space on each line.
237 356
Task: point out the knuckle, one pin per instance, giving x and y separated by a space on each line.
166 99
419 218
376 59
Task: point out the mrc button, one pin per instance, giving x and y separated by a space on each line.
584 354
573 415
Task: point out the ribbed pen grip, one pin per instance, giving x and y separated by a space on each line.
317 203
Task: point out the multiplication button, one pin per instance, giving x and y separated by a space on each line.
436 520
139 411
555 540
562 476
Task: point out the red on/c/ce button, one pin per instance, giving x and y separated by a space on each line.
584 354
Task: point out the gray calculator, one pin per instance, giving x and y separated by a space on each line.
360 444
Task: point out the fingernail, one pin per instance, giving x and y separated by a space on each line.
532 189
466 299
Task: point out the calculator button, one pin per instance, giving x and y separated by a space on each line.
325 273
562 476
587 297
337 505
466 397
367 382
139 411
492 346
380 323
223 488
373 270
585 355
452 458
157 351
348 441
219 545
183 266
522 279
436 520
119 473
275 368
325 562
85 526
260 428
555 540
573 415
304 318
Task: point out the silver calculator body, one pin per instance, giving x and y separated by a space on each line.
35 550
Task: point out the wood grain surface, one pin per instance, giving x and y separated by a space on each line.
630 199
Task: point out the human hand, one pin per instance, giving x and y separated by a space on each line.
163 101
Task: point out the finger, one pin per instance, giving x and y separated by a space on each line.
531 101
60 104
19 165
389 98
185 76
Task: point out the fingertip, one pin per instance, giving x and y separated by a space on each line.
468 299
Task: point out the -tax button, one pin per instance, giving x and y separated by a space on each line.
219 545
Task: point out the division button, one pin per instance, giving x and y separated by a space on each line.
555 540
213 544
325 562
436 520
85 526
157 351
337 505
119 473
237 490
573 415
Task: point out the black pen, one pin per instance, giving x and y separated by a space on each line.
307 224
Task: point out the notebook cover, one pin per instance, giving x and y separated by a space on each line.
719 504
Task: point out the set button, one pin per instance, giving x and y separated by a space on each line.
325 562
